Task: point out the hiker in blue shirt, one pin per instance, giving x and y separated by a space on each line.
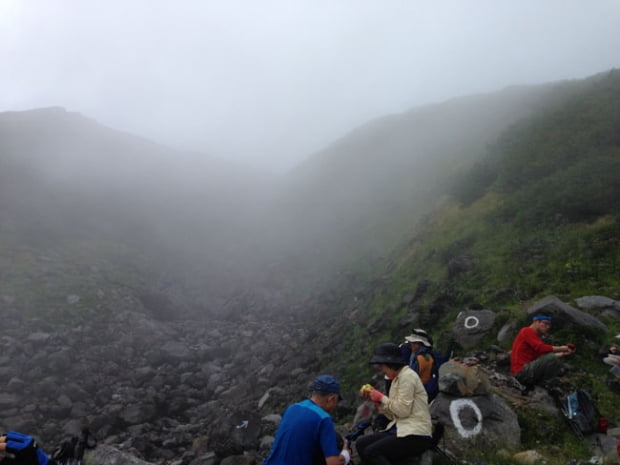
306 434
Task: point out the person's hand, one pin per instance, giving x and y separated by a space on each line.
24 448
365 390
375 396
563 351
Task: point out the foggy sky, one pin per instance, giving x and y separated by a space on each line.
269 82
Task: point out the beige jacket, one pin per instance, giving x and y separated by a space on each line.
407 405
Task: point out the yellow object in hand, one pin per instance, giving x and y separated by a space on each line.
365 388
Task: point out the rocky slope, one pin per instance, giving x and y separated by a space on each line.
196 392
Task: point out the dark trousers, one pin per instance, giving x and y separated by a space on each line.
385 448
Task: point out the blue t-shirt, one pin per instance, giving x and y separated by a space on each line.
305 431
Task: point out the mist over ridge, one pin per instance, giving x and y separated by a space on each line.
220 233
134 277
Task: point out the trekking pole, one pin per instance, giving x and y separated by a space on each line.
84 444
445 454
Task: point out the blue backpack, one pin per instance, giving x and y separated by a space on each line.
582 414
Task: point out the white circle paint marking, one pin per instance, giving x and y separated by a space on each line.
455 409
471 322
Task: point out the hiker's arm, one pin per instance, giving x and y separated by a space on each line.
335 460
339 459
399 405
343 458
532 340
561 351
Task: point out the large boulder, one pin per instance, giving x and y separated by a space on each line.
458 379
471 326
600 304
235 434
565 315
477 423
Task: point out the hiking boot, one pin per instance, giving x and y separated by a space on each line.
526 389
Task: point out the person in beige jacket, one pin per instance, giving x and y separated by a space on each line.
409 432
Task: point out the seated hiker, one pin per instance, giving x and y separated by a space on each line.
406 406
531 360
306 434
422 360
21 449
613 359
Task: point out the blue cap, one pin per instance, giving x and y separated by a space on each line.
327 383
542 318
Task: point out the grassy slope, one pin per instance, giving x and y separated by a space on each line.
539 214
350 202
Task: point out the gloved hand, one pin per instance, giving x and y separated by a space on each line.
375 396
24 448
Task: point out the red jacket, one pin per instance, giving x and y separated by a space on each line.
526 348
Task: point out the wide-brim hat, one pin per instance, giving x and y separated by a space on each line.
387 353
418 338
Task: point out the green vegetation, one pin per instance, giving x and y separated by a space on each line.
43 282
537 215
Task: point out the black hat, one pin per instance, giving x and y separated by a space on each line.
387 353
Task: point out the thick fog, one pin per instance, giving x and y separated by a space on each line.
268 83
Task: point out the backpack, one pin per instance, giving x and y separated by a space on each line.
432 387
582 414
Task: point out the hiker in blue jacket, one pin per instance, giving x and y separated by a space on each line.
306 435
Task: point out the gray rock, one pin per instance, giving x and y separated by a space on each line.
460 264
603 305
241 431
471 326
208 458
566 315
173 352
107 455
596 302
266 443
238 460
138 413
38 337
481 423
458 379
603 445
507 332
15 385
60 361
7 400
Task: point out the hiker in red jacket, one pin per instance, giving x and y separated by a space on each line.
531 360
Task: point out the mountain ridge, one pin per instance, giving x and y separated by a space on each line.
478 244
